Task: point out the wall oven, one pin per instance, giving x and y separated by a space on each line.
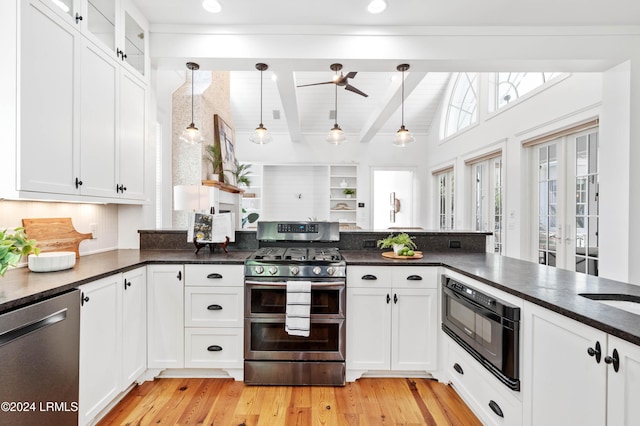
486 327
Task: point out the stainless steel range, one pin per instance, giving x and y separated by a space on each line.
290 255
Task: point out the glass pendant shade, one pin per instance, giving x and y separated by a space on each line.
403 136
377 6
336 135
191 134
260 135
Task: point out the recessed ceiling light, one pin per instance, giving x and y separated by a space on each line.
212 6
377 6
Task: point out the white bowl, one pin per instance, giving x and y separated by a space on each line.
51 261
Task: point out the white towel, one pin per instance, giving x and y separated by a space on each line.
297 321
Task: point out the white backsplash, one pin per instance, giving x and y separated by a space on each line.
104 216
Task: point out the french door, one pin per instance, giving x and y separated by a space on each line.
567 200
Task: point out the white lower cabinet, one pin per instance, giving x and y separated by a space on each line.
565 383
112 339
214 318
165 316
392 319
492 402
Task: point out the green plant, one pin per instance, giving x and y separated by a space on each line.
402 238
241 173
13 246
213 156
348 191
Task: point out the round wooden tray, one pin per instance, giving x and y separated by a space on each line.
392 255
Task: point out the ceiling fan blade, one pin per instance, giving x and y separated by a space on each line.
352 74
316 84
354 90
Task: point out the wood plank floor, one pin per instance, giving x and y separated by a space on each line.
223 402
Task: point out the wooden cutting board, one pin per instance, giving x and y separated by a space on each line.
54 234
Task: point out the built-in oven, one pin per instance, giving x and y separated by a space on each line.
486 327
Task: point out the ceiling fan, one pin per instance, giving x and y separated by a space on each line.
341 80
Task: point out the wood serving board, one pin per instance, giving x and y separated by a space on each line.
54 234
392 255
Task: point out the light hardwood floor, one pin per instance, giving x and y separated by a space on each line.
223 402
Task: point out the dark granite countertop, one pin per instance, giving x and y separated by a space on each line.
552 288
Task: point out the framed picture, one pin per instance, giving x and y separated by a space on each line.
225 138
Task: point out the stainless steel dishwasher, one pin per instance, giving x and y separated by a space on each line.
39 356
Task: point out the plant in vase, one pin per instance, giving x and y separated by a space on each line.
13 246
213 156
241 174
349 192
398 242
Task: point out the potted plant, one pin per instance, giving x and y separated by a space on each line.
241 174
14 245
397 242
213 156
348 192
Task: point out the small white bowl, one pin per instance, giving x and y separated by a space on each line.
51 261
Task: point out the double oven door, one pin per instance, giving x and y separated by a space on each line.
265 312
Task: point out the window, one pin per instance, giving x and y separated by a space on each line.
462 107
487 199
446 208
509 86
568 200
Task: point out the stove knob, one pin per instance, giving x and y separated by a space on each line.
317 270
295 270
259 269
273 270
331 270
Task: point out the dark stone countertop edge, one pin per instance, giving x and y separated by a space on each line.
555 289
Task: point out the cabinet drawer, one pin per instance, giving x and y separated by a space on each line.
368 276
213 348
214 275
213 306
415 276
480 389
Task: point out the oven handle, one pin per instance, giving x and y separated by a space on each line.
474 306
284 283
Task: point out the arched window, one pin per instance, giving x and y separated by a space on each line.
510 86
462 107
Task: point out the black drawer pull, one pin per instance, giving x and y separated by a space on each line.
458 369
369 277
214 348
214 276
414 278
214 307
496 408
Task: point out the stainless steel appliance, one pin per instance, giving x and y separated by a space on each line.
289 252
39 356
486 327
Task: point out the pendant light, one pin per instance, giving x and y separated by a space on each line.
336 135
403 136
260 135
191 134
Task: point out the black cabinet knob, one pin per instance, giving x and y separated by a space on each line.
388 298
78 183
395 298
179 275
127 284
597 352
614 360
78 17
83 299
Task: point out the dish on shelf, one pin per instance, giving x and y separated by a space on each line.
392 255
342 206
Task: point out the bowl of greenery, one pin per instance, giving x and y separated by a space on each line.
399 242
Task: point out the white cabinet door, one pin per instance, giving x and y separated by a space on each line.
414 330
563 384
368 328
165 316
132 137
134 325
98 127
100 345
624 385
48 96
